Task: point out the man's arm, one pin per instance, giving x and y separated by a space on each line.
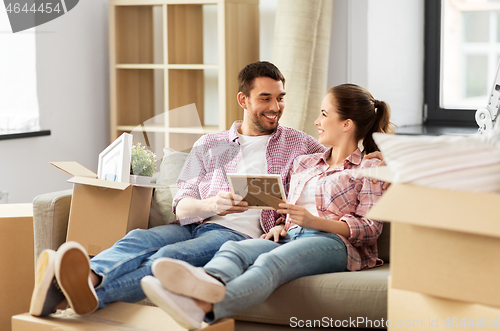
378 155
221 204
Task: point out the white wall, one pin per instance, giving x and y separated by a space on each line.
375 43
396 57
379 44
72 69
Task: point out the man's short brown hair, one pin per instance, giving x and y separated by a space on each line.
254 70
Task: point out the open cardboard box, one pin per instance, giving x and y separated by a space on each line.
443 242
118 316
102 211
417 311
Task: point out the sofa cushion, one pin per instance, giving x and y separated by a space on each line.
161 205
338 296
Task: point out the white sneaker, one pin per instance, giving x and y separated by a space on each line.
72 269
182 278
46 295
182 309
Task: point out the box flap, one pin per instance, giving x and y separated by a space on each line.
74 169
99 183
382 173
463 211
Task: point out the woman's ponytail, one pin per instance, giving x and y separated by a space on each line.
381 123
369 115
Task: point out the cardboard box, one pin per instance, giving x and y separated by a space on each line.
417 311
102 211
443 243
118 316
17 274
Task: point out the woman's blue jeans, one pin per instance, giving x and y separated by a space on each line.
124 264
253 269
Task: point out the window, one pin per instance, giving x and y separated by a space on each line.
18 102
461 57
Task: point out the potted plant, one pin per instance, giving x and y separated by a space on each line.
142 164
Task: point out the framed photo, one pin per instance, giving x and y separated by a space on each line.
260 191
114 161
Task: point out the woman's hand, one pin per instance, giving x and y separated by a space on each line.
298 214
275 233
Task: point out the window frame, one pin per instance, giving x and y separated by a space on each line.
434 114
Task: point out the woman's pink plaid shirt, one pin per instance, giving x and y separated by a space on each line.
345 197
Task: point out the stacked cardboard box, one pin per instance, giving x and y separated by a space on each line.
17 274
118 316
445 261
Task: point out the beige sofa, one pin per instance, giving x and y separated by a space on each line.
340 298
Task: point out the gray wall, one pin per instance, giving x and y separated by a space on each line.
376 43
72 70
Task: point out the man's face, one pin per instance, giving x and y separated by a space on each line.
263 107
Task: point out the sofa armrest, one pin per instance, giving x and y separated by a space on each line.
50 220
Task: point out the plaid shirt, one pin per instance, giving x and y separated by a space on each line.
214 155
340 196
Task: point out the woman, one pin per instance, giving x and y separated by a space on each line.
325 231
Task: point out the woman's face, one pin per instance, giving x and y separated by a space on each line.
330 126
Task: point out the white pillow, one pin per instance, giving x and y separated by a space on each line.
170 168
470 163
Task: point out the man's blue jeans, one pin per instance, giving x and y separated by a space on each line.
124 264
253 269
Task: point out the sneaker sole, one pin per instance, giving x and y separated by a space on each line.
154 292
178 277
46 293
72 273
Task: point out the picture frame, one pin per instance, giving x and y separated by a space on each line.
114 161
260 191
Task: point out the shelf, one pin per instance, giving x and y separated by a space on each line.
160 128
140 66
168 66
180 2
174 65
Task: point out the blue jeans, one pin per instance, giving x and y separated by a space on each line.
253 269
130 259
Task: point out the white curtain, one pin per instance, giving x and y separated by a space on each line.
18 89
301 51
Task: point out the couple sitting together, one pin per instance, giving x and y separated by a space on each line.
222 257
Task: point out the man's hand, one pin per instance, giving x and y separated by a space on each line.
298 214
275 233
378 155
227 203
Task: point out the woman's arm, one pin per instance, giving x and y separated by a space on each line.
364 231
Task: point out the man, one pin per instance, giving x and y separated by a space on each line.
208 214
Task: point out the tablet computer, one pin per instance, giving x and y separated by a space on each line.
260 191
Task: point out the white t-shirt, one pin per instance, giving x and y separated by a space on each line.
307 198
253 161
